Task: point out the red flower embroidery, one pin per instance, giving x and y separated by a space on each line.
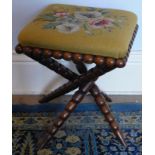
101 23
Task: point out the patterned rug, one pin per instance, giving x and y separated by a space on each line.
84 133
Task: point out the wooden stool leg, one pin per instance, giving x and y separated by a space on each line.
58 68
55 66
76 99
100 100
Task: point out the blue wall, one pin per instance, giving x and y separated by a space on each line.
25 10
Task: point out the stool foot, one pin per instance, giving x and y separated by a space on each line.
70 107
109 117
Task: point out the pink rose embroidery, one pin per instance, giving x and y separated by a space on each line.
99 23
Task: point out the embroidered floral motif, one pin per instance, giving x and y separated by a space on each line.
89 20
68 28
101 23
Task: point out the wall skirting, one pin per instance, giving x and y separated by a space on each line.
30 77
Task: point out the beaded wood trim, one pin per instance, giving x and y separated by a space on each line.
77 57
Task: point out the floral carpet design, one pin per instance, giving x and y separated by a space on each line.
88 20
84 133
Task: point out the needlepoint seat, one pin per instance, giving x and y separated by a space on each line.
104 32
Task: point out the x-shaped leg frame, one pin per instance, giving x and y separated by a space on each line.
86 84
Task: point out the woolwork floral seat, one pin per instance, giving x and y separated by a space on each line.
90 30
82 35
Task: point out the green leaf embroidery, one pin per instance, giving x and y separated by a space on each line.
104 12
87 29
50 25
116 24
46 17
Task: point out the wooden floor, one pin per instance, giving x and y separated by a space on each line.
33 99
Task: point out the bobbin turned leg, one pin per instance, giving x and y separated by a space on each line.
100 100
70 107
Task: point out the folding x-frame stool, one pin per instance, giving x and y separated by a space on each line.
82 35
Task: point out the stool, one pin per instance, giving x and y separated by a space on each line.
82 35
